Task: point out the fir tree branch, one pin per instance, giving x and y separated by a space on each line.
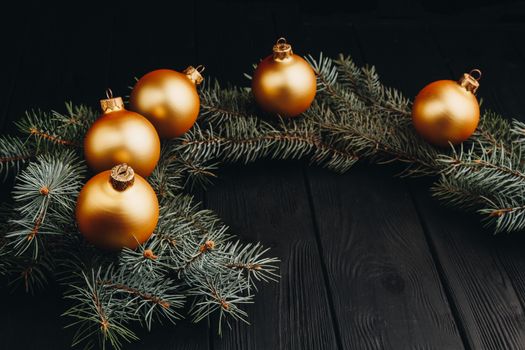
47 187
136 293
99 318
191 253
49 130
250 260
217 293
14 154
38 133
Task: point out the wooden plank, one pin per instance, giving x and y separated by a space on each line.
503 71
475 281
151 36
269 203
297 27
87 31
39 83
83 42
266 202
492 50
146 37
510 247
18 21
32 322
516 35
245 37
73 52
384 284
481 290
185 335
386 290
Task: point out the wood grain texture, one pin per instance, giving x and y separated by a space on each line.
506 82
145 38
386 290
157 36
358 272
34 322
482 292
266 205
86 52
16 47
493 50
380 259
39 83
236 36
485 303
261 203
185 335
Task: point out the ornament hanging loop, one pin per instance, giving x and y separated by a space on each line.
109 93
122 176
282 50
200 68
470 81
476 74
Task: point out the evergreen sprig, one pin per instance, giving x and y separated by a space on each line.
192 264
356 117
14 154
112 291
45 195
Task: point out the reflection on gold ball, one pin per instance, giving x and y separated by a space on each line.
168 99
444 111
284 83
113 218
121 136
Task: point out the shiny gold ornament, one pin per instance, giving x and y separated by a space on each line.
284 83
447 111
168 99
121 136
117 208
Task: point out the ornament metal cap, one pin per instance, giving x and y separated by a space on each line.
194 74
469 81
111 104
282 50
122 177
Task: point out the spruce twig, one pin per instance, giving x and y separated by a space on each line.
192 257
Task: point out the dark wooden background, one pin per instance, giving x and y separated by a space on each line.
369 261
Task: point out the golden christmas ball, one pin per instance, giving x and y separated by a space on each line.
283 82
447 111
121 136
117 208
168 99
